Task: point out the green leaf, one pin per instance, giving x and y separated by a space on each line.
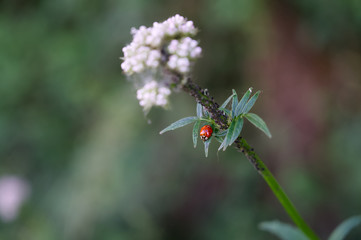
221 133
259 123
344 228
199 110
224 105
243 101
206 146
237 130
283 231
250 103
180 123
233 131
234 102
195 133
223 145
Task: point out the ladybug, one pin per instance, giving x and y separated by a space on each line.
206 132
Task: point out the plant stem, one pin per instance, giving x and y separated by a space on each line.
221 119
262 169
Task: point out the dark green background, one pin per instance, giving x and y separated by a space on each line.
71 125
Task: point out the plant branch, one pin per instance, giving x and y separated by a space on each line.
202 96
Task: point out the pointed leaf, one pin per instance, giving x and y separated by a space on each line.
344 228
259 123
221 133
237 130
234 102
243 101
233 131
223 145
250 103
180 123
206 146
195 133
283 231
199 110
224 105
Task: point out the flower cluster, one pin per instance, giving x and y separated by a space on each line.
140 58
144 51
164 46
152 94
182 52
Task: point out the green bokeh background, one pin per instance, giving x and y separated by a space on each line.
70 123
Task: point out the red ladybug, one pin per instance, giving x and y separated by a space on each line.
206 132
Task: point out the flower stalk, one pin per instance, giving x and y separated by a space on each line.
202 96
276 188
162 56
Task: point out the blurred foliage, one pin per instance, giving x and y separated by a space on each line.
70 123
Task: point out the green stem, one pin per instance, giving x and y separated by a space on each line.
202 96
275 187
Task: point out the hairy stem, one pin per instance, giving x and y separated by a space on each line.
202 96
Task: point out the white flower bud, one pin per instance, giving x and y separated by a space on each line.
196 52
183 65
153 95
126 66
172 63
173 46
138 67
145 50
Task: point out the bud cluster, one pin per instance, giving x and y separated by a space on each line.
153 95
166 45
